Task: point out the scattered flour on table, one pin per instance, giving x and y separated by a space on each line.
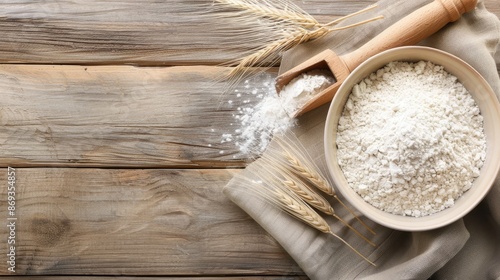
410 139
258 122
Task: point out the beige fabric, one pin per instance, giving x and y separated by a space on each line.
466 249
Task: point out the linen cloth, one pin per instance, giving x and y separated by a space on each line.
467 249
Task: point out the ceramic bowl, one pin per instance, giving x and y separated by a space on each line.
488 105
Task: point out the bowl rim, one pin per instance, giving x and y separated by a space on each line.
379 216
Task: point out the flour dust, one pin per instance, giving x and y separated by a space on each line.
257 122
258 116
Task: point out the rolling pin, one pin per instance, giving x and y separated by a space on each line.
409 30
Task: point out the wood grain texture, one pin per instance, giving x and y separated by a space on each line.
127 32
132 32
135 222
121 116
98 222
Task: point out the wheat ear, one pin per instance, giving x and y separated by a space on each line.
300 211
307 173
291 13
285 200
321 184
319 203
313 219
278 195
295 155
281 175
295 27
310 197
270 52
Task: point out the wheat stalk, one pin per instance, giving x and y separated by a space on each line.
258 181
288 147
312 218
278 172
288 202
286 26
271 53
290 12
321 204
268 52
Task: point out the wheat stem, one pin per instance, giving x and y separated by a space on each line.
354 214
292 14
351 15
288 202
356 24
313 219
299 26
297 158
278 173
352 248
271 51
355 230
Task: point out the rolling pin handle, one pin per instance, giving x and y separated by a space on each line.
411 29
456 8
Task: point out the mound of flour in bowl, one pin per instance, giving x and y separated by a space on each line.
410 139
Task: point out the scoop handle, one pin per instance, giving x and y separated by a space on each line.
411 29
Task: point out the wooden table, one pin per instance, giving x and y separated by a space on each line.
115 135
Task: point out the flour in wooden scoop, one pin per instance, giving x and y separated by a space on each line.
410 139
303 88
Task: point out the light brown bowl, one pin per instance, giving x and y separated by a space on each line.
490 109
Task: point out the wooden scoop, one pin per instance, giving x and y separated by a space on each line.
407 31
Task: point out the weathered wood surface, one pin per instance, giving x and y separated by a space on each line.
120 116
97 221
83 221
126 31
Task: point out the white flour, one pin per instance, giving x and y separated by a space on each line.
257 122
271 115
304 87
410 139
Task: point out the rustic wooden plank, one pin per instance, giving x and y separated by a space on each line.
126 31
133 32
121 116
82 221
